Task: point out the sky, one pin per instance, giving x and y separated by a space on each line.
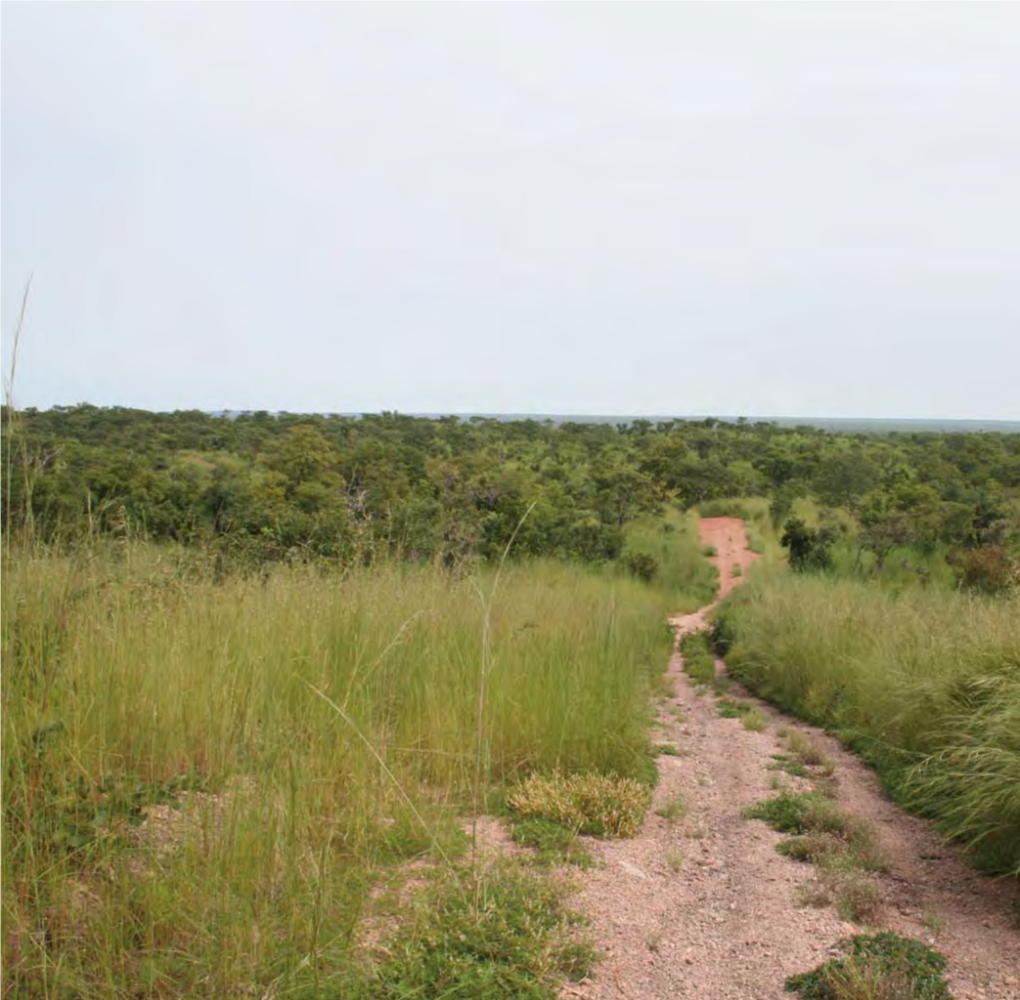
644 209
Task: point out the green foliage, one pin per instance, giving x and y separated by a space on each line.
185 816
732 708
641 565
505 936
673 810
795 812
552 842
257 488
698 657
809 547
924 685
882 966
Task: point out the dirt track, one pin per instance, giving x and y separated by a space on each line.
704 908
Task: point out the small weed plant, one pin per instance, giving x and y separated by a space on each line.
506 936
552 842
675 809
876 967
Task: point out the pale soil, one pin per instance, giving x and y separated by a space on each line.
727 924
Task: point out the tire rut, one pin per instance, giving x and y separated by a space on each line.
704 908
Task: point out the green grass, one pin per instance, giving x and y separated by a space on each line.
925 685
823 833
552 842
698 657
204 777
755 720
671 541
673 810
507 936
751 717
876 967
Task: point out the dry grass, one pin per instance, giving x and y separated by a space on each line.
603 805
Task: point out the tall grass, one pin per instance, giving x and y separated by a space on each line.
137 686
925 684
671 540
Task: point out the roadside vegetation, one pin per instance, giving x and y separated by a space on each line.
876 967
924 684
204 777
263 673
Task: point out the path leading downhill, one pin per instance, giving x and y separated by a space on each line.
704 908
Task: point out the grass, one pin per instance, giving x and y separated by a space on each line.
925 685
821 829
807 752
552 842
842 846
876 967
751 717
783 762
675 809
670 541
698 658
596 804
755 720
204 777
508 936
668 750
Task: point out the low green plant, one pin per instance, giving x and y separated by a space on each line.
782 762
882 966
674 859
501 933
823 832
814 894
794 812
731 708
857 896
807 751
552 842
597 804
755 720
673 810
698 657
667 750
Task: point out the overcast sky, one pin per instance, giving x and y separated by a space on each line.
803 209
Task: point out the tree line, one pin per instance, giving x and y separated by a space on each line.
262 487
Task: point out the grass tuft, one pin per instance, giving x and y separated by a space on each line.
698 658
507 935
597 804
552 842
876 967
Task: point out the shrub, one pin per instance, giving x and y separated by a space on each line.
988 570
809 547
641 565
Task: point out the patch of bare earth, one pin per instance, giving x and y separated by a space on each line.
702 907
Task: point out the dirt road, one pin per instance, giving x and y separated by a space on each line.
703 907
